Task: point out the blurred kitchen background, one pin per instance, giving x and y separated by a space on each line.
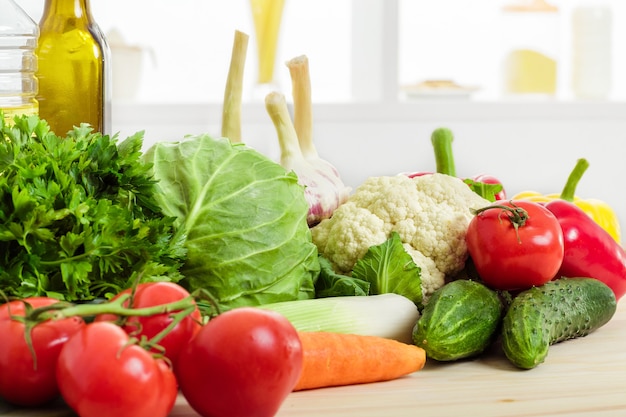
385 74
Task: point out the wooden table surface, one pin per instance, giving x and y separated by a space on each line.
581 377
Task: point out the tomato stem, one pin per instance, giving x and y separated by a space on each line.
210 309
176 318
62 310
516 215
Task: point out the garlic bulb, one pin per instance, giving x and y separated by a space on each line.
320 180
303 123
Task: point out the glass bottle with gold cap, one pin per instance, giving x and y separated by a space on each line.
73 57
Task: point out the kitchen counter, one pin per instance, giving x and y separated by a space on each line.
581 377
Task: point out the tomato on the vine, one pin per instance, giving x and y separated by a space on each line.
25 379
101 373
243 363
515 244
151 294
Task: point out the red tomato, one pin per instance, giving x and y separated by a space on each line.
510 259
153 294
101 374
243 363
21 382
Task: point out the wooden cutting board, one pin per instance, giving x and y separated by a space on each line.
581 377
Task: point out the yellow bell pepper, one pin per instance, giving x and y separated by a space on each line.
598 210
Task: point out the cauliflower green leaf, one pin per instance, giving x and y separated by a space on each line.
389 268
333 284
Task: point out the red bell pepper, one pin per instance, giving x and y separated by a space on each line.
485 185
590 251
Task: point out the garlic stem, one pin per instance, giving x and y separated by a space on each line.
276 106
231 111
302 104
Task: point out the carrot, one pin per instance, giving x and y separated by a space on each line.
333 359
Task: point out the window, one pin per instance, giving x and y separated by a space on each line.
466 41
358 49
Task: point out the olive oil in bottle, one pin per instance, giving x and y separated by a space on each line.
73 70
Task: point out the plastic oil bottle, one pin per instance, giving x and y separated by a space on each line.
74 72
18 62
592 28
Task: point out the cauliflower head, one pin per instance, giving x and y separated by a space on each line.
431 213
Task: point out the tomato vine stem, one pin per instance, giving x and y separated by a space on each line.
62 309
514 213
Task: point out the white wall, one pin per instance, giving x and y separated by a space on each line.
457 39
528 146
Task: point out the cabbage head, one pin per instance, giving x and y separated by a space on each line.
243 217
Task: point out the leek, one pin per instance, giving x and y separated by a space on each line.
389 315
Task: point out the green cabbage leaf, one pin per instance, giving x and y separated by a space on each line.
243 218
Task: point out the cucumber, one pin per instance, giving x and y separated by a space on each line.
460 320
559 310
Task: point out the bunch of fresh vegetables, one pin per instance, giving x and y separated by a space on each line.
50 349
84 217
560 275
518 244
365 294
135 352
429 213
423 215
240 221
110 364
529 262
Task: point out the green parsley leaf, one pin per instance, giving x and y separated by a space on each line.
78 215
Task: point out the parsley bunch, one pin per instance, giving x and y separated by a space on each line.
78 217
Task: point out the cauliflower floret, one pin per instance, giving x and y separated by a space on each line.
431 214
441 225
347 238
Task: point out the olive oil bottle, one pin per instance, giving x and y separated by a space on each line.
73 68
